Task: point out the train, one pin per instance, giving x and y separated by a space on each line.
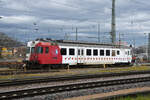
64 52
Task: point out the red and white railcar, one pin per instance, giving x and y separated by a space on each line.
73 53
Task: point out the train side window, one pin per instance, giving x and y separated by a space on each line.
113 53
107 52
37 50
78 51
71 51
46 49
63 51
95 52
88 52
128 52
101 52
118 52
82 52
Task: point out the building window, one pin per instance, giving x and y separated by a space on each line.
95 52
71 51
63 51
47 50
118 52
101 52
88 52
113 53
107 52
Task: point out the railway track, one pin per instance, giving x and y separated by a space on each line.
17 72
66 78
14 70
133 94
70 87
11 64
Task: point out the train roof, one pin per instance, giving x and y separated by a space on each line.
87 44
83 44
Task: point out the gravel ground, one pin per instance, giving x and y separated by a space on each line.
39 85
63 95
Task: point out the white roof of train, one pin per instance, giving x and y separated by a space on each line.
87 44
79 43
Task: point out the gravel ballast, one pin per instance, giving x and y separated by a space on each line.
48 84
70 94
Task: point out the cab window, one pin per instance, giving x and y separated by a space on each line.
39 50
32 49
46 49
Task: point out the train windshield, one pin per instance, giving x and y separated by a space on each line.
32 49
28 50
39 50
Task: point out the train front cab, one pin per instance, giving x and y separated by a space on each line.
46 54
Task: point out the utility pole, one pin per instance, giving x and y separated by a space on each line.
146 46
76 34
119 39
113 23
98 32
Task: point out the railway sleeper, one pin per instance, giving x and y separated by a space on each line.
70 87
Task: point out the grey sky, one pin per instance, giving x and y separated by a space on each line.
55 18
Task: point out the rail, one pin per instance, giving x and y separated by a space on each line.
66 78
63 88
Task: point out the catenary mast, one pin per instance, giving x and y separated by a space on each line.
113 24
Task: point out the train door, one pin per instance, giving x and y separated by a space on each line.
43 54
80 55
55 55
124 55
